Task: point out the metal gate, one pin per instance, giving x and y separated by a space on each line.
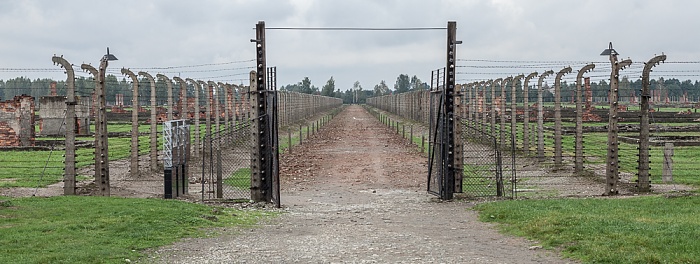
483 164
445 151
436 140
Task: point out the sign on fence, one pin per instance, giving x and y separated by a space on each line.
176 149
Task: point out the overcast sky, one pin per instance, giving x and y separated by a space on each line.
537 34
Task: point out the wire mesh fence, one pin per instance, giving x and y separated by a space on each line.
225 167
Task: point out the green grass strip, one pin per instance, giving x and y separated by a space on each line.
634 230
77 229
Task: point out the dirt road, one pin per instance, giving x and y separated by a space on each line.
355 193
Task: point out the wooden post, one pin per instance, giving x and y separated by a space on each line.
289 141
667 176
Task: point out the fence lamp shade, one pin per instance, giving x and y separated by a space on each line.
609 51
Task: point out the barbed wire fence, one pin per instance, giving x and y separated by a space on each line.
560 127
218 113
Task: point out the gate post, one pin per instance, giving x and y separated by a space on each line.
643 167
261 181
452 148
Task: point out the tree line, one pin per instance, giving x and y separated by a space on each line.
672 88
357 94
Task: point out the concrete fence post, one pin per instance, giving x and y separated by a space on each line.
169 86
69 173
558 151
526 113
134 160
514 109
578 141
195 116
643 166
540 116
153 136
502 101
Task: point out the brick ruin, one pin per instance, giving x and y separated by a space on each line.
17 122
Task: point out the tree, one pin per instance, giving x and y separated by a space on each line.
381 89
417 85
403 84
356 91
329 88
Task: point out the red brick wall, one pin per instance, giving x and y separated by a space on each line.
17 121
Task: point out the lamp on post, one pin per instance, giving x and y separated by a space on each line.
101 132
612 158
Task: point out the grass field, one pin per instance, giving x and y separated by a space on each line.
650 229
78 229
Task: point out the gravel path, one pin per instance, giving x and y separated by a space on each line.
355 193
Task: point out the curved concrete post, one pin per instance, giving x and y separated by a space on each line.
540 116
578 138
134 167
502 130
183 98
526 113
153 153
169 85
557 118
644 177
484 108
69 176
612 167
99 126
514 108
216 104
207 119
195 116
493 105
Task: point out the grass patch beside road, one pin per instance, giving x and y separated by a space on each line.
78 229
651 229
239 178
